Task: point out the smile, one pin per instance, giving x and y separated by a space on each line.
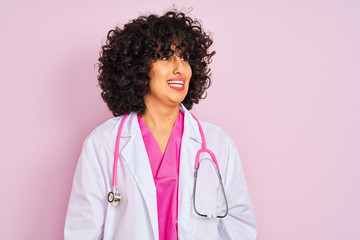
176 84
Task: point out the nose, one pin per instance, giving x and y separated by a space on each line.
178 67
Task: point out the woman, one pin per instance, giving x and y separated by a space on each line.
152 72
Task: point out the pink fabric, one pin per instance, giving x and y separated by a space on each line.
165 170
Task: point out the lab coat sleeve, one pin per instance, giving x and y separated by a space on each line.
87 204
240 222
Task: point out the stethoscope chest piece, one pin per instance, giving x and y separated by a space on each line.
114 197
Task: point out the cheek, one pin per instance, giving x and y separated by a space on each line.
187 70
189 73
157 75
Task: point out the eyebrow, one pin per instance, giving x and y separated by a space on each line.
177 52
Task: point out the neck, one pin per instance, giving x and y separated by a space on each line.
160 117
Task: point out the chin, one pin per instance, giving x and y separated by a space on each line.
177 101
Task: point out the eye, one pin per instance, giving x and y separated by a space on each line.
184 59
165 58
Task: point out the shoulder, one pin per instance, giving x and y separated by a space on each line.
104 132
217 138
105 128
213 130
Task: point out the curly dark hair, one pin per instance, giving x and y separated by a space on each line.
125 59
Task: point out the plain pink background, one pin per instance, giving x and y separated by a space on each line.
286 87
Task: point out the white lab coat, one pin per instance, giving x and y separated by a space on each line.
90 216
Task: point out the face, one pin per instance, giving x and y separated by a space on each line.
169 80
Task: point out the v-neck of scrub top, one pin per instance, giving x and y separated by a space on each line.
165 170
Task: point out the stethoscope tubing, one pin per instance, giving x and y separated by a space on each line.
116 155
203 149
115 195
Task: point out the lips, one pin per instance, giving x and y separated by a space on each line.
177 83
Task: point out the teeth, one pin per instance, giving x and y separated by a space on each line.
176 83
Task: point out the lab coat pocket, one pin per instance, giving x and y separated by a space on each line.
205 196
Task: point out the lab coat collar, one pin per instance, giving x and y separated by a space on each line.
131 127
191 128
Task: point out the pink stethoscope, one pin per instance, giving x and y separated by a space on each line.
114 196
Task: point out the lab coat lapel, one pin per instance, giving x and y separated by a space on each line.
191 143
136 158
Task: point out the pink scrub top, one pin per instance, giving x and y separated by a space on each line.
165 170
